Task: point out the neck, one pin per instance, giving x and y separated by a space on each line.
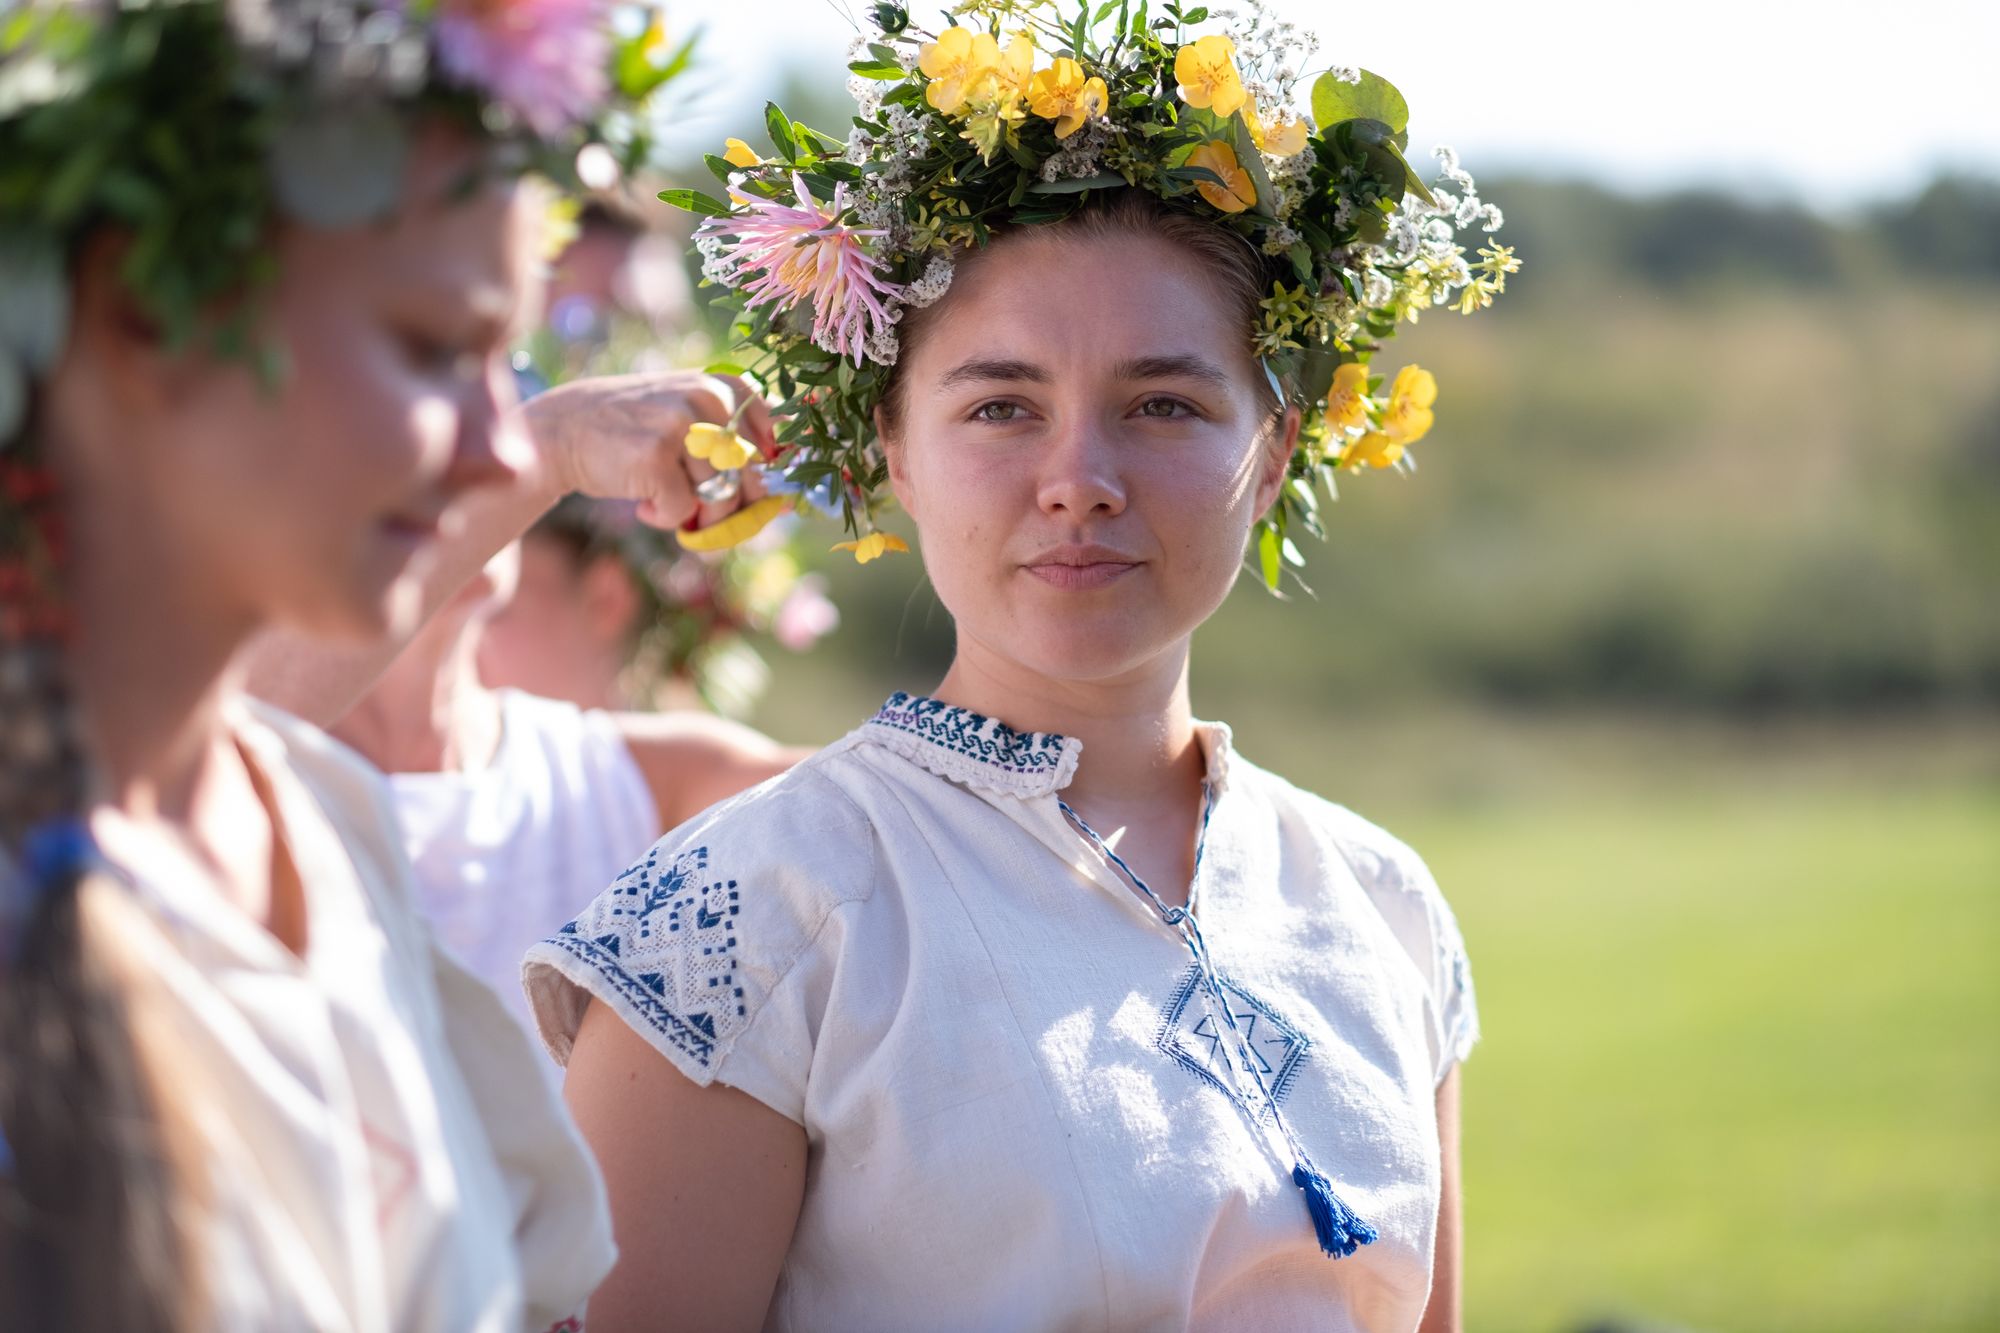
429 713
1137 729
149 659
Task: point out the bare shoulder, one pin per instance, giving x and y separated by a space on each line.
692 760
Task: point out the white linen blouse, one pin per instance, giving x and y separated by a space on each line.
382 1151
508 852
1018 1109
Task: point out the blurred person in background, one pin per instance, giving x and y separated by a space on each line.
240 1088
522 730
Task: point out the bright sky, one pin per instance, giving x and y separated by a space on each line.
1834 102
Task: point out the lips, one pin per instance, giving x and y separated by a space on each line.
1081 567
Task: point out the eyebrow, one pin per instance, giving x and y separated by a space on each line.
987 369
982 369
1171 368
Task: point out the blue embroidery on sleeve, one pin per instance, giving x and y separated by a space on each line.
1194 1039
672 955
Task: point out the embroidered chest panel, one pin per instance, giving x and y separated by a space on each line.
1196 1038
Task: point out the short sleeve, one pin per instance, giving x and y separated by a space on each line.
710 945
1404 891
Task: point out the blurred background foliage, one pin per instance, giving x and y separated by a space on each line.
1680 661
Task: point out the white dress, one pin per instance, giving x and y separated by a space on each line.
382 1150
1016 1106
509 852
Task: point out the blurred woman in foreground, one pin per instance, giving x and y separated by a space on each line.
239 1088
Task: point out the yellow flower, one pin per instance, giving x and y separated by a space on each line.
1478 294
1061 93
1498 261
1205 69
953 63
738 528
1375 449
720 447
1236 193
1015 66
992 113
1411 394
739 154
1406 420
1286 137
1347 401
874 545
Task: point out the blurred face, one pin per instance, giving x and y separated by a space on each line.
563 631
321 504
1084 446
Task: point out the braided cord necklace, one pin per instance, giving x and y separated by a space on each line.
1339 1231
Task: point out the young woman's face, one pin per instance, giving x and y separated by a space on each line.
321 503
1084 445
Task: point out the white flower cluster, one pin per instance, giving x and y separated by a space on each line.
930 288
1465 207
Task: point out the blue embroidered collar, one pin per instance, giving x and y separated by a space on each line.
972 748
981 751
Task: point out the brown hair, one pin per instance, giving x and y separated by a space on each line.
1241 275
94 1202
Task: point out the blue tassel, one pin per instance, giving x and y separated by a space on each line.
1340 1232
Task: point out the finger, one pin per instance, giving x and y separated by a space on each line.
758 428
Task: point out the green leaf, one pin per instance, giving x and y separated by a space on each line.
638 76
779 126
1268 553
1410 177
1196 15
885 70
719 166
1103 180
723 368
1374 98
694 201
1252 161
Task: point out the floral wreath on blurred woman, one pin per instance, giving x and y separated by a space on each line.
821 248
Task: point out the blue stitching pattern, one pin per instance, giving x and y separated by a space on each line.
688 1038
1195 1050
971 735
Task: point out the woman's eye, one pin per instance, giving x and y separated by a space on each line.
996 411
436 356
1164 407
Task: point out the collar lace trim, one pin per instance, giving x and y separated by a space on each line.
980 751
974 749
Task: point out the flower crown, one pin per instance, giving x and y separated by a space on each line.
193 125
822 247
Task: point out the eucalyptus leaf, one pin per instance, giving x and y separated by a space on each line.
1373 98
1103 180
339 165
1268 555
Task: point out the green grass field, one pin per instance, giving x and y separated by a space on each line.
1740 1069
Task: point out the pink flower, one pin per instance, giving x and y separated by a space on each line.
544 60
806 616
805 254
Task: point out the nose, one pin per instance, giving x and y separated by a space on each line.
1080 474
492 447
